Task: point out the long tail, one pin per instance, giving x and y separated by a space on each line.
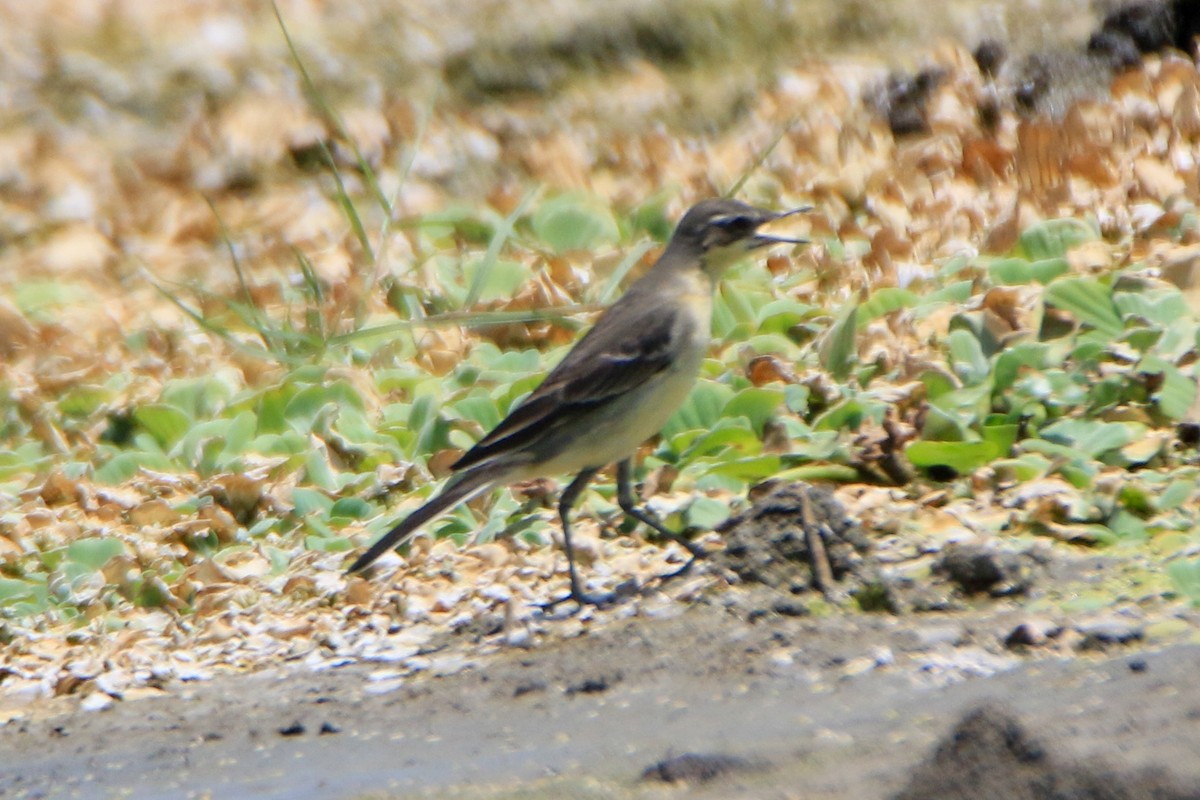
457 491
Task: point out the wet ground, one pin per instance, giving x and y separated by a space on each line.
839 707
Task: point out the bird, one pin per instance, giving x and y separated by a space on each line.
615 388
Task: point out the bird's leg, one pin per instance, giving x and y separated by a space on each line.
565 503
626 500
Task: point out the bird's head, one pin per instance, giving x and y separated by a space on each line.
720 231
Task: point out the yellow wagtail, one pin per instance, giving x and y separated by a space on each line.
616 387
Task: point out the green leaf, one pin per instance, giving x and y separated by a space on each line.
1003 435
796 398
1185 576
1019 272
1026 467
500 281
884 301
966 357
199 398
457 220
328 543
957 292
651 216
271 407
780 316
1088 301
962 457
480 409
1076 466
1048 269
1011 362
1176 392
747 470
1128 527
705 513
1176 494
937 383
83 400
837 352
37 296
319 472
942 425
849 414
23 597
1091 437
701 410
744 306
311 501
93 554
816 446
1054 238
307 405
574 222
351 508
700 442
124 466
755 404
165 422
1162 307
1010 272
239 434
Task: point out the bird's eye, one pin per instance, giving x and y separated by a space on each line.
724 230
736 222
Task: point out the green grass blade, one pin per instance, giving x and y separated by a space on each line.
622 270
503 233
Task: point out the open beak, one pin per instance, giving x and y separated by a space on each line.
766 239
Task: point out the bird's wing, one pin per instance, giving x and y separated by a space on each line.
601 367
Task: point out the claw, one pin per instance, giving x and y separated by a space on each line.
583 599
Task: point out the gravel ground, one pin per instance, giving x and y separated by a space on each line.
836 707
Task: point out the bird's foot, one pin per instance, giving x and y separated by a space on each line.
582 599
698 553
676 573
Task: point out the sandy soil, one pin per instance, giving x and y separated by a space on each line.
838 707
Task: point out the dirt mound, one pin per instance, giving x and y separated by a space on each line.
797 538
990 756
793 538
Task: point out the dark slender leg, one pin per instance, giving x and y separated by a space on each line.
565 503
626 500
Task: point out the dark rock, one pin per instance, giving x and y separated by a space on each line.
295 729
790 608
1187 25
1149 25
1112 630
902 99
989 55
1188 433
593 685
1033 632
978 569
1115 48
694 768
529 687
